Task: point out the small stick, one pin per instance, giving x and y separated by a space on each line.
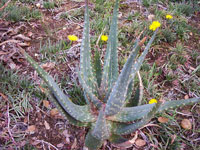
6 4
12 41
49 144
9 126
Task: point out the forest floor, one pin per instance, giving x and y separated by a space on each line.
171 70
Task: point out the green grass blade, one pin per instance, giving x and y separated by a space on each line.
80 113
129 114
110 68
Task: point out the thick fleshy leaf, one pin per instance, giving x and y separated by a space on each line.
129 114
102 128
91 97
66 115
138 63
118 94
119 91
80 113
110 68
91 142
97 67
134 101
86 76
124 129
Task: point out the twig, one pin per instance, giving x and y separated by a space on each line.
183 113
6 4
49 144
180 91
12 41
9 125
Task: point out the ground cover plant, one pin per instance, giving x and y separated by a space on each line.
173 73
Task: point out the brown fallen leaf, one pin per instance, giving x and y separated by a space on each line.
186 124
140 142
54 112
45 103
46 124
163 119
31 129
48 66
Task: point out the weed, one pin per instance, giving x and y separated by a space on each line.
19 13
181 9
168 35
49 5
50 50
73 15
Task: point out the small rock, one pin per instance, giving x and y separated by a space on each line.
186 124
60 145
140 142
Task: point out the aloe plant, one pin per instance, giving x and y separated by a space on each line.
109 111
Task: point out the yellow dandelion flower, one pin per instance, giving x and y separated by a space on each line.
154 25
153 101
72 37
169 17
104 37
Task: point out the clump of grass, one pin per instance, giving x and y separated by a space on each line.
168 35
17 13
178 55
13 84
73 15
181 8
49 5
50 50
